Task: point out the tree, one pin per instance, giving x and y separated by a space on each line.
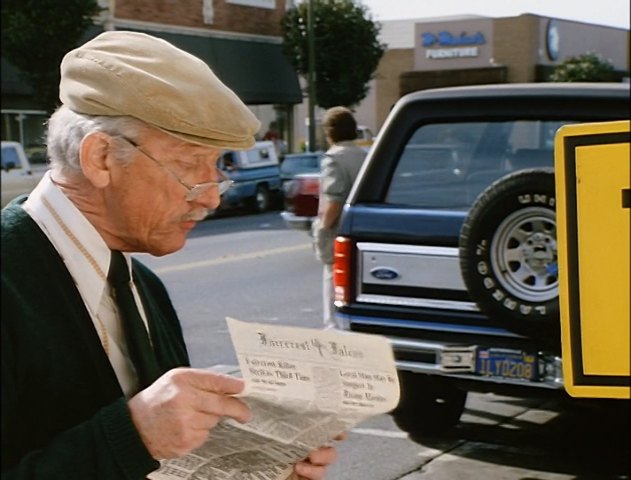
588 67
347 50
36 34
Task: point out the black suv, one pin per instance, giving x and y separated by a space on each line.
447 244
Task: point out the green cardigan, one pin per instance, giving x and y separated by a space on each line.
64 415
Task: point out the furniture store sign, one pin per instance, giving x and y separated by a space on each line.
447 45
450 45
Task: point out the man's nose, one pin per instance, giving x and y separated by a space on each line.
209 199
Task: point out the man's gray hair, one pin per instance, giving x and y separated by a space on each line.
67 129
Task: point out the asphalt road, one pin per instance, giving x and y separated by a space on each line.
252 268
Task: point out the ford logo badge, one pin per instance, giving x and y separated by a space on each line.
384 273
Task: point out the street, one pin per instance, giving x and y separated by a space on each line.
253 268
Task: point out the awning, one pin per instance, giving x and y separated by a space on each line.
257 71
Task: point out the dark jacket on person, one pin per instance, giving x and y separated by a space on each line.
64 414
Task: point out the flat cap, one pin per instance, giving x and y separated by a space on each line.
135 74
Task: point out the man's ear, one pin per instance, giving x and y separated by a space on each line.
93 158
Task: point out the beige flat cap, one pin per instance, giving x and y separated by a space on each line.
135 74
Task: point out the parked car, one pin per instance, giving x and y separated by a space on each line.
301 201
447 244
19 176
256 176
300 174
295 163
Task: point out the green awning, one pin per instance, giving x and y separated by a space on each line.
257 71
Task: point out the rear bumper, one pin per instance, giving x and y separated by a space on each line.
441 359
295 222
457 359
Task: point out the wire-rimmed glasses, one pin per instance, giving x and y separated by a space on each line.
194 191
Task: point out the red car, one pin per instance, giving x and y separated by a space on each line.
301 201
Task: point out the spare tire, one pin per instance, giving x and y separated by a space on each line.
508 253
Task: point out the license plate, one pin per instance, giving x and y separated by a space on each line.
502 363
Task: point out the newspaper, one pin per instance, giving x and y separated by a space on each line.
304 387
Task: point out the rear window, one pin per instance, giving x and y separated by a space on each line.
300 164
446 166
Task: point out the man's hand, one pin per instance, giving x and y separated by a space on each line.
175 414
314 466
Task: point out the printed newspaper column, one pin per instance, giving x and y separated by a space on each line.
304 387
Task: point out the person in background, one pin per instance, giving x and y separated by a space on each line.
338 169
274 136
96 382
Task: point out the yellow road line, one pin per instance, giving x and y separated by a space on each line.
231 258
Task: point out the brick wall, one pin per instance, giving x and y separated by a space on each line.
515 44
413 81
189 13
387 76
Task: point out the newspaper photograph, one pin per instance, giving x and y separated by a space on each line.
304 387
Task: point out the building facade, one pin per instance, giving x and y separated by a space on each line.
241 40
469 50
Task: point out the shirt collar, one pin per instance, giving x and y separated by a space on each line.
336 147
81 247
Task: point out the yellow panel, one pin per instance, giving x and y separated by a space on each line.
602 172
600 249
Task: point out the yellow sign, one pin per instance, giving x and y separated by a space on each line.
593 176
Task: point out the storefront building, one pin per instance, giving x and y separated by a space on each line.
240 40
471 50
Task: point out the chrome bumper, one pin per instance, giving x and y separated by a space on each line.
297 223
459 361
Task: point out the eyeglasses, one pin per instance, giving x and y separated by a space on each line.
194 191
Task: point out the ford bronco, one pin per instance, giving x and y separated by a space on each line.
447 243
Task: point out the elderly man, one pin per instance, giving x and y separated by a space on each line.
96 381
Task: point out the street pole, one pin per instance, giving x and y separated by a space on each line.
311 77
110 16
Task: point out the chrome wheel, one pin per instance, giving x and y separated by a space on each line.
524 254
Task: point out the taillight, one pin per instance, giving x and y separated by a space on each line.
310 186
342 270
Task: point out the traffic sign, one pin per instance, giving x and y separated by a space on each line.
592 171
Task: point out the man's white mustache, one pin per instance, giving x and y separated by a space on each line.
196 215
